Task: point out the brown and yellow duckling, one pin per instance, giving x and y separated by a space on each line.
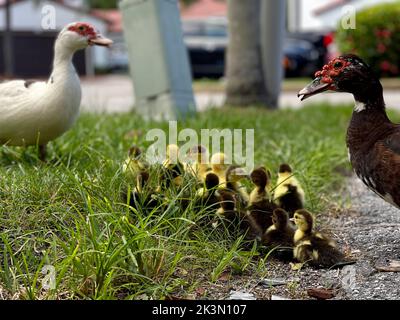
135 163
199 165
136 170
280 236
235 219
314 248
288 194
281 232
172 169
141 196
219 165
233 177
208 194
260 206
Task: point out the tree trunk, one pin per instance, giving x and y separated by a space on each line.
8 43
244 72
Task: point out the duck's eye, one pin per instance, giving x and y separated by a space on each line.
337 65
81 28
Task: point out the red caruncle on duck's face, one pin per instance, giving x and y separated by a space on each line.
84 29
332 70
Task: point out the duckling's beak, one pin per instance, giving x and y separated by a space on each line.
99 40
313 88
291 219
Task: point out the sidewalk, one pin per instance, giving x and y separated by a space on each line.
114 93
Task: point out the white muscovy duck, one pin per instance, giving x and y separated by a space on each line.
36 112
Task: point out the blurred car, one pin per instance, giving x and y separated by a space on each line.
207 40
300 58
321 42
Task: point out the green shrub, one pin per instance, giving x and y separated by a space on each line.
376 38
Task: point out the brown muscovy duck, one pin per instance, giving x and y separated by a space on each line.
373 141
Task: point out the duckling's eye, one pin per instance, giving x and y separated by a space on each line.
337 65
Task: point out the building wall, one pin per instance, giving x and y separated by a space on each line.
27 16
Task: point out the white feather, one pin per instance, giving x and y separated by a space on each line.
359 106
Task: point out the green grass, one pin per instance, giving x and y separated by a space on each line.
68 213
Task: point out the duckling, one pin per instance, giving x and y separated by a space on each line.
281 232
134 164
136 169
173 168
260 205
145 198
219 166
208 196
313 247
234 218
288 194
234 174
200 166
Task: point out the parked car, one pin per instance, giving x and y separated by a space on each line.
320 41
300 58
207 41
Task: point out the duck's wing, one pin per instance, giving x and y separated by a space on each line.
11 89
17 88
392 142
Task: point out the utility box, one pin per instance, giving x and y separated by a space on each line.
158 59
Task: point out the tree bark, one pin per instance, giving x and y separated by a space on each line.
8 42
244 72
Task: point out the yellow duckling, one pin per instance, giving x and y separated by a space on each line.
312 247
219 165
200 165
134 164
288 194
173 168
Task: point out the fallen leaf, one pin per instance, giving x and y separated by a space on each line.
225 276
200 291
320 293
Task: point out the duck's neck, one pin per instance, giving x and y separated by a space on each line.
369 98
62 64
369 120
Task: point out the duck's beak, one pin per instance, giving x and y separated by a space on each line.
313 88
99 40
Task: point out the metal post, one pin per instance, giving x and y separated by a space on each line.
272 37
158 59
294 15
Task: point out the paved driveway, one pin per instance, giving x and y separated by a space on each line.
114 93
